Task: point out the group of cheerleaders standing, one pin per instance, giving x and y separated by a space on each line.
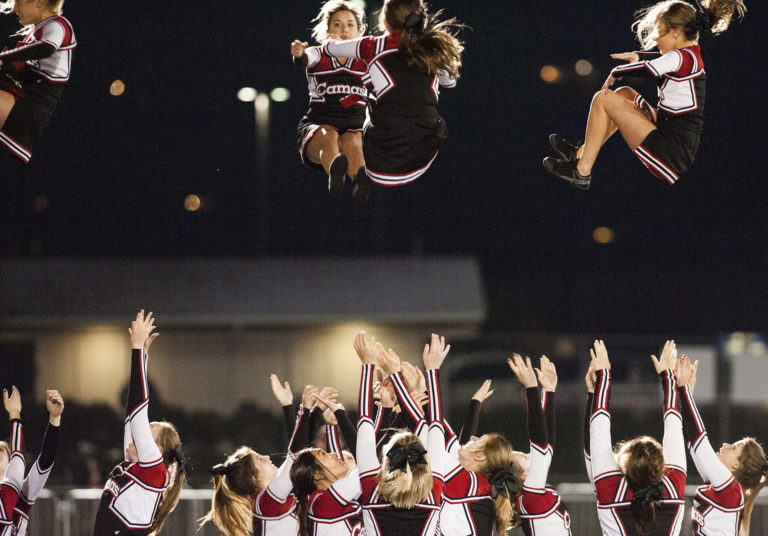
403 470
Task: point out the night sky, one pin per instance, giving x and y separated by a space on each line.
689 258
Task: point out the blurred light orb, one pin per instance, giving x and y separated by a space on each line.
261 102
603 235
117 88
583 67
280 94
41 203
192 203
360 4
549 73
246 94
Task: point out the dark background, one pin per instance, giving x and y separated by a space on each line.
688 258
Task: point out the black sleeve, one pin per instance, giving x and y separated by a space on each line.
301 438
549 416
693 426
50 442
289 418
471 421
537 427
348 430
136 394
316 421
587 416
301 62
35 51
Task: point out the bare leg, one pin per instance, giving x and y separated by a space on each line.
6 104
352 146
629 94
323 147
611 111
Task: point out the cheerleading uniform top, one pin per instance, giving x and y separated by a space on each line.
11 484
718 504
381 518
46 52
35 480
337 94
540 506
134 490
614 496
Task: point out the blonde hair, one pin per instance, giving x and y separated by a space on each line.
170 444
235 482
498 455
430 45
680 15
329 9
404 489
5 447
751 474
54 5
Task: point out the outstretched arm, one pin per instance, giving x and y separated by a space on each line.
14 473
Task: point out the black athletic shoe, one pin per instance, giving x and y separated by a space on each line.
363 186
566 170
564 149
337 175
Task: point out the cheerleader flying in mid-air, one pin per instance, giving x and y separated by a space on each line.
665 139
33 75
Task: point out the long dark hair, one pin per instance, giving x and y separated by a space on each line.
643 459
428 44
304 477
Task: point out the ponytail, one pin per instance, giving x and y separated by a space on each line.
644 507
716 15
174 459
503 477
752 474
303 473
234 485
428 44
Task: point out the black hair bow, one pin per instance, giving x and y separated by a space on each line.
182 460
504 482
415 22
401 455
652 493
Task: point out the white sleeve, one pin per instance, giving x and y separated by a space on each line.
668 63
347 489
313 56
600 428
445 79
436 434
281 486
365 452
52 33
349 48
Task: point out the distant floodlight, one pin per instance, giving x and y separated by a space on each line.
583 67
261 102
192 203
603 235
247 94
280 94
117 88
549 73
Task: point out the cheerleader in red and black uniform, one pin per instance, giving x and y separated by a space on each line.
329 134
640 490
402 493
664 139
38 474
34 73
11 463
144 489
406 67
733 476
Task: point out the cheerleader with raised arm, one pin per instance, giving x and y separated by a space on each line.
11 463
41 469
329 134
665 138
144 489
733 476
401 494
640 487
407 66
34 74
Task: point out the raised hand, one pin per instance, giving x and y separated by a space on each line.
149 340
366 351
420 397
629 57
599 355
523 370
590 378
329 417
388 360
141 329
308 396
483 392
435 352
54 403
686 372
327 397
668 360
413 377
282 393
298 48
12 403
547 374
387 398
